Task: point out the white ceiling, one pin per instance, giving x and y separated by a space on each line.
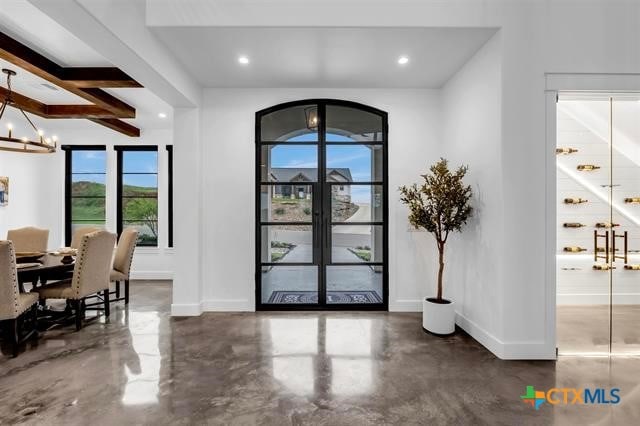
322 57
27 24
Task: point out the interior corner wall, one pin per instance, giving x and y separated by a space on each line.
228 151
36 185
26 181
471 135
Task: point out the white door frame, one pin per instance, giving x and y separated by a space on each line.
555 83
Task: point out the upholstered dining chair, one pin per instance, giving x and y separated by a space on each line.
29 239
76 239
90 275
122 262
14 306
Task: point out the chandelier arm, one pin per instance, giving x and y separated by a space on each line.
4 106
29 120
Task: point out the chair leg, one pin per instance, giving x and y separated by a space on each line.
14 336
126 292
34 318
117 289
77 305
107 308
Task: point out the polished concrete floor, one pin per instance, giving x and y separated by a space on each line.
584 329
328 368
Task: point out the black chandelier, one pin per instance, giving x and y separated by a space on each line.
41 144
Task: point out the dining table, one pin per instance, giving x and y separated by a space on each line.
49 266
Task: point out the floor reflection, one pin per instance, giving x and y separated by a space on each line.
323 356
143 376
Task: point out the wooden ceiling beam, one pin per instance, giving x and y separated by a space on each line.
118 126
90 112
28 59
97 77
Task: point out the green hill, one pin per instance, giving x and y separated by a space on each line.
86 210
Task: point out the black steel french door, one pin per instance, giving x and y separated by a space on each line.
321 206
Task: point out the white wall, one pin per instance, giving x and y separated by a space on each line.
228 155
471 135
537 37
37 190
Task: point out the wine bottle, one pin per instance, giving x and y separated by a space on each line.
573 225
606 225
587 167
575 200
632 267
566 151
634 200
574 249
601 250
603 267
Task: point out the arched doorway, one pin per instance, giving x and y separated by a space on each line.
321 206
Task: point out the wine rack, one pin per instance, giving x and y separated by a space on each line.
575 200
566 151
574 249
573 225
587 167
603 267
607 225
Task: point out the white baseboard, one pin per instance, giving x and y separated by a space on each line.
405 306
213 305
186 310
506 350
151 275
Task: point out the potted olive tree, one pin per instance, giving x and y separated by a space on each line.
440 205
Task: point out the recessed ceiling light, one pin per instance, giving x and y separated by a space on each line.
403 60
243 60
162 115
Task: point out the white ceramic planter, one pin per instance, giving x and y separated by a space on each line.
438 318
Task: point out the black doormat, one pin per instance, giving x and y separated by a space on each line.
333 297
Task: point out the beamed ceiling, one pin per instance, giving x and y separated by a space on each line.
85 82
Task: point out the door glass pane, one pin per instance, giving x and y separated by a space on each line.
357 243
346 124
625 312
356 203
354 163
289 284
583 195
287 243
286 203
354 284
295 124
289 163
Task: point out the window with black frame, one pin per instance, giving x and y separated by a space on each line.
85 187
138 191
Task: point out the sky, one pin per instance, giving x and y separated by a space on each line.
133 162
357 158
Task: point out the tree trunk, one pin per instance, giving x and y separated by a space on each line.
440 269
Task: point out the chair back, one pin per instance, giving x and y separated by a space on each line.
93 264
29 239
9 290
79 233
124 252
